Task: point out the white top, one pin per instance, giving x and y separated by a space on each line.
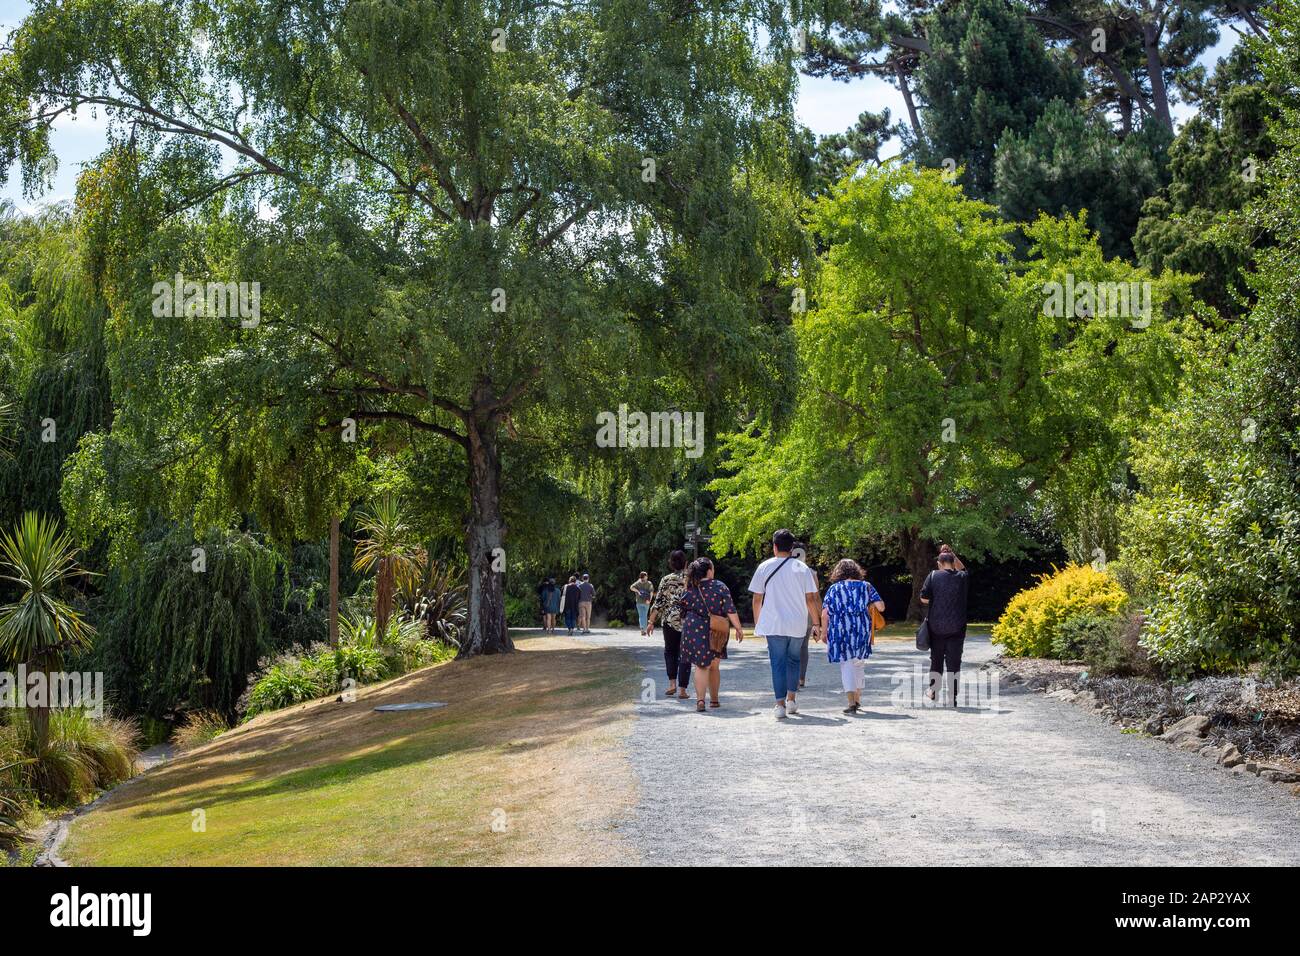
785 609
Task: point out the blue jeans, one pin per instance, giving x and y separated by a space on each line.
570 616
783 653
643 612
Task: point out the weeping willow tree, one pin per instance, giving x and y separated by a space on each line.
53 374
183 635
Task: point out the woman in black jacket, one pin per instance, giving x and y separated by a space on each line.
944 592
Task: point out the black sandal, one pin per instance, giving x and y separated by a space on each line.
714 703
699 706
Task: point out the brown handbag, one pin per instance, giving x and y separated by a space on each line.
719 628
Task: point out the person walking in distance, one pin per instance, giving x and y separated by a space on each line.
550 605
569 603
645 592
587 594
944 594
671 587
785 593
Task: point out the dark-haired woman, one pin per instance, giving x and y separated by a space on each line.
550 604
569 602
944 594
671 586
704 595
846 622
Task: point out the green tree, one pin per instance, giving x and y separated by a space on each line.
988 71
1213 532
1070 161
939 399
1138 53
54 369
835 153
1193 225
857 38
41 627
471 223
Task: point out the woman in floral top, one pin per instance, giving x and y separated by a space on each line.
704 596
846 622
671 586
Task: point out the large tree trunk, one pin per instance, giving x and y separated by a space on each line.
912 117
1155 73
484 536
920 553
38 716
40 721
383 597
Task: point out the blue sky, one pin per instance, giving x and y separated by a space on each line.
825 106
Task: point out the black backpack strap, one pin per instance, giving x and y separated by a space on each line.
774 570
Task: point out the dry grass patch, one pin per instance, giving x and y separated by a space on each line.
531 739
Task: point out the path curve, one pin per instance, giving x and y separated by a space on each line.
1031 781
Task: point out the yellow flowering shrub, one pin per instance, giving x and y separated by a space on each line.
1034 616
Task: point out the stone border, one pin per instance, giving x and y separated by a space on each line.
1191 733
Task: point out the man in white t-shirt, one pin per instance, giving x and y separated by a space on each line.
785 593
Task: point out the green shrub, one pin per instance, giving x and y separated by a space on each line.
410 649
365 665
425 654
108 744
1117 651
521 612
362 656
12 809
1078 634
198 728
84 754
290 679
14 797
1034 617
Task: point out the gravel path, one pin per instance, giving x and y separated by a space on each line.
1015 779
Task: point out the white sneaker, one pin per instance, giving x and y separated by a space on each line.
790 707
780 711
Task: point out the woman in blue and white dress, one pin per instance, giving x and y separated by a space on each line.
846 622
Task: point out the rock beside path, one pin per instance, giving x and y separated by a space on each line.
1187 730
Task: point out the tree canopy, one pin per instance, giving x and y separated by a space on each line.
470 225
941 397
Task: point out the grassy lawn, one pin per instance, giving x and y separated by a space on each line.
529 741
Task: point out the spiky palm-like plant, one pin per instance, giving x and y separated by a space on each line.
40 627
389 549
